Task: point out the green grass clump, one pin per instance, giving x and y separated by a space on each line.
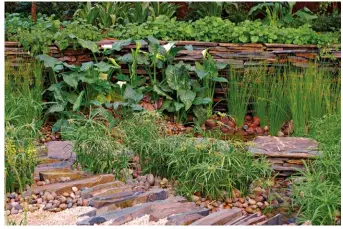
96 149
208 165
23 119
238 96
319 195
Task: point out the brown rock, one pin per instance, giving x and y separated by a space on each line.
162 211
219 218
249 210
184 219
259 198
63 206
252 201
241 200
195 198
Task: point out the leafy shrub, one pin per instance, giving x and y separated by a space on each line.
207 165
218 30
319 195
329 23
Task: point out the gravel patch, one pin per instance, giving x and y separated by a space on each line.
66 217
144 220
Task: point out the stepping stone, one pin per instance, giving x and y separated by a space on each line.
241 219
47 160
255 220
289 147
101 188
56 165
125 215
184 220
58 173
60 188
163 211
219 218
60 150
129 201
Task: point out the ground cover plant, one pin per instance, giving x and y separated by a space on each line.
209 166
319 194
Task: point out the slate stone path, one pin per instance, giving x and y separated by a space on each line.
117 203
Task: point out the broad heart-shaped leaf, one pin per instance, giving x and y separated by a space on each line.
178 106
56 108
131 94
118 45
220 65
127 58
86 66
48 60
243 39
71 97
168 105
177 77
88 45
103 66
254 39
58 68
71 67
160 92
58 125
101 98
71 79
201 101
56 89
187 97
122 77
219 79
200 70
78 101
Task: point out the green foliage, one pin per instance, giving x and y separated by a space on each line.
238 96
96 149
206 165
23 119
330 22
216 29
319 194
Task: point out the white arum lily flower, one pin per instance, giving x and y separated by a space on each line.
121 83
106 46
204 52
168 46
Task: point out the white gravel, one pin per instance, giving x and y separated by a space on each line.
66 217
144 220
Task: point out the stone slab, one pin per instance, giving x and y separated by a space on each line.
290 147
63 172
119 217
219 218
60 150
101 188
163 211
188 217
60 188
129 201
56 165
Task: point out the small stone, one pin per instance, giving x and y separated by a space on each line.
48 206
195 198
245 205
14 211
47 181
198 203
65 194
56 209
150 179
8 212
9 206
228 200
54 194
249 210
11 196
84 202
266 203
259 204
215 204
56 202
18 207
53 181
63 179
62 199
40 183
252 201
69 205
49 197
241 200
33 196
78 193
254 206
259 198
75 189
63 206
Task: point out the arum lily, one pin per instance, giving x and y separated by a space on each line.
204 52
121 83
168 46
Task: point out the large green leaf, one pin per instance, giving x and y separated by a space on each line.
49 61
103 66
71 97
160 92
131 94
71 79
219 79
178 106
187 97
200 70
201 101
177 77
56 108
93 46
56 89
78 101
58 125
86 66
118 45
